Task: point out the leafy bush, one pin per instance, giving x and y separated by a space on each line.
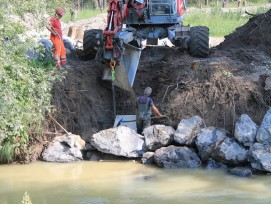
26 199
25 84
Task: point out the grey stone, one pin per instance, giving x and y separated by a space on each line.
259 156
188 129
230 152
148 158
241 171
67 148
264 133
95 155
245 130
120 141
176 157
208 139
212 164
158 136
44 50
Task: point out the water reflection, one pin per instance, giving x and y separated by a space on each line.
126 182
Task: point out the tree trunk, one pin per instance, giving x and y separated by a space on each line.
104 4
223 3
99 4
78 5
244 3
199 4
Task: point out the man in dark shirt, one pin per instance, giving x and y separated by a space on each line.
144 107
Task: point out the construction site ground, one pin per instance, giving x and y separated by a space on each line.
233 80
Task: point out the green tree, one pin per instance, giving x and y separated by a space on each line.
25 84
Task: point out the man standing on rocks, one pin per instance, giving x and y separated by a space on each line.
54 27
144 107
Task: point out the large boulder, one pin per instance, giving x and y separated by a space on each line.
230 152
158 136
259 156
68 43
245 130
188 129
95 155
176 157
264 133
148 158
212 164
241 171
43 50
120 141
208 139
67 148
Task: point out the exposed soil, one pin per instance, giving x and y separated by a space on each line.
219 88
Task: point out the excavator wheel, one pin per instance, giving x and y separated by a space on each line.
92 39
199 41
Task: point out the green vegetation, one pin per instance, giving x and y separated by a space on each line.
25 84
229 3
220 23
26 199
82 14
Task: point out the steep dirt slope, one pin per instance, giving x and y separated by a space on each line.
82 101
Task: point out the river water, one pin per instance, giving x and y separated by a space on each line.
127 183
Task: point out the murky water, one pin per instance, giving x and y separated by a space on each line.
127 183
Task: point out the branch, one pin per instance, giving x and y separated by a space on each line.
59 124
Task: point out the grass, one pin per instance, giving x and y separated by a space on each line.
233 4
6 152
82 14
220 23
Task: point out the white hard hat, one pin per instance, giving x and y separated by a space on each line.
148 91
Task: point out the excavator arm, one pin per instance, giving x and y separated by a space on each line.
117 51
116 13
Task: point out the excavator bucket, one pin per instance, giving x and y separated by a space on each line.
125 72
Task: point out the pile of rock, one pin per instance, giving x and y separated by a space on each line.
192 145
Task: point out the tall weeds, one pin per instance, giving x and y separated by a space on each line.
220 23
25 84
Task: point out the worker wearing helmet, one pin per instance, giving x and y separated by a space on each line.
144 107
56 37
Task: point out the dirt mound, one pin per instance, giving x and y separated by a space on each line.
254 34
212 88
231 82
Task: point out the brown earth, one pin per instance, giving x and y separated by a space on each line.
230 82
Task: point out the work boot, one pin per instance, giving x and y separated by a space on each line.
65 66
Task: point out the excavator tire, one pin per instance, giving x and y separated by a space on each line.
199 41
91 41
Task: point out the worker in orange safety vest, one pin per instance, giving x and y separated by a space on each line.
54 27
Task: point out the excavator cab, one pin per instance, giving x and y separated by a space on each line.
163 7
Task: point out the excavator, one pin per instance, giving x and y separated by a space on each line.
129 22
